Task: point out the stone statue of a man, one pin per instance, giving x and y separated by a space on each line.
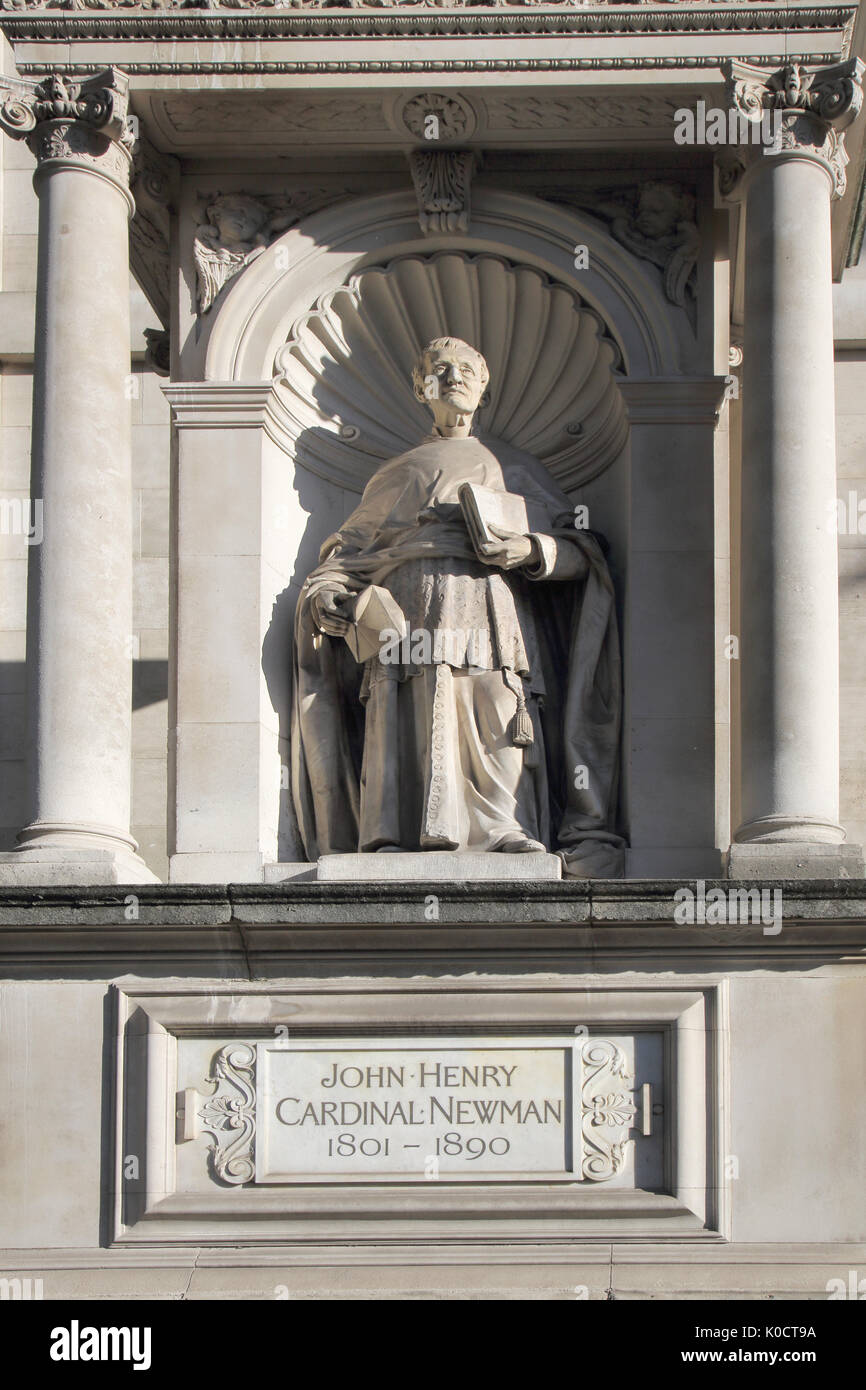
499 731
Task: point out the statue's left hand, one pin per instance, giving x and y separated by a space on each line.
509 551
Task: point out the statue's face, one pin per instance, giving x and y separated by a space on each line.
453 376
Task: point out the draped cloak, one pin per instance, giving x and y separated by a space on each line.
409 512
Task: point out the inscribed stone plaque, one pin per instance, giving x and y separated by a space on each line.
273 1114
413 1107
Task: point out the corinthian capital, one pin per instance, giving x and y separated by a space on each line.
79 123
809 111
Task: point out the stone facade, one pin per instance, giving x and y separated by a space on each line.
245 222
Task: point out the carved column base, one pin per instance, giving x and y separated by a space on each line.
794 859
73 854
72 868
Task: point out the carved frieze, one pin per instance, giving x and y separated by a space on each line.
633 16
564 111
283 113
425 118
442 180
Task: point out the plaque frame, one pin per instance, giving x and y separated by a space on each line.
145 1205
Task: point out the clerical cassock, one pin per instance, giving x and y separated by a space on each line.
500 730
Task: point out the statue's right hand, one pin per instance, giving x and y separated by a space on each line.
325 610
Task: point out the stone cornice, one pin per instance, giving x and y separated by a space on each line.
265 931
207 405
673 400
318 19
415 66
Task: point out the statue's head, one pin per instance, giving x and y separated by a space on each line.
451 378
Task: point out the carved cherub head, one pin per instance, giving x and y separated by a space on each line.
451 378
239 220
661 207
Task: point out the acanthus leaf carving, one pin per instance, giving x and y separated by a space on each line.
229 1114
442 180
85 122
815 105
100 102
607 1114
153 180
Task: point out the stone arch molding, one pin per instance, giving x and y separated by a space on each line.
336 310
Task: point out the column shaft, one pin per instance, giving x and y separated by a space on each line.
80 590
790 651
79 601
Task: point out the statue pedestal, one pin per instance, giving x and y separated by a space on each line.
435 866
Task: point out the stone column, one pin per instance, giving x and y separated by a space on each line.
79 613
789 639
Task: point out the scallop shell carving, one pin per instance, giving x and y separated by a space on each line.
344 377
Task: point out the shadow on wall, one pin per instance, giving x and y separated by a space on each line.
149 683
13 751
149 687
326 506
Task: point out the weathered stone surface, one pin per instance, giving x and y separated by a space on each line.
433 867
281 415
795 861
144 905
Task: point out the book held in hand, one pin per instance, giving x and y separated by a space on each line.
374 617
485 507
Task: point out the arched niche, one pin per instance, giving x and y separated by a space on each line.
343 389
305 365
324 252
